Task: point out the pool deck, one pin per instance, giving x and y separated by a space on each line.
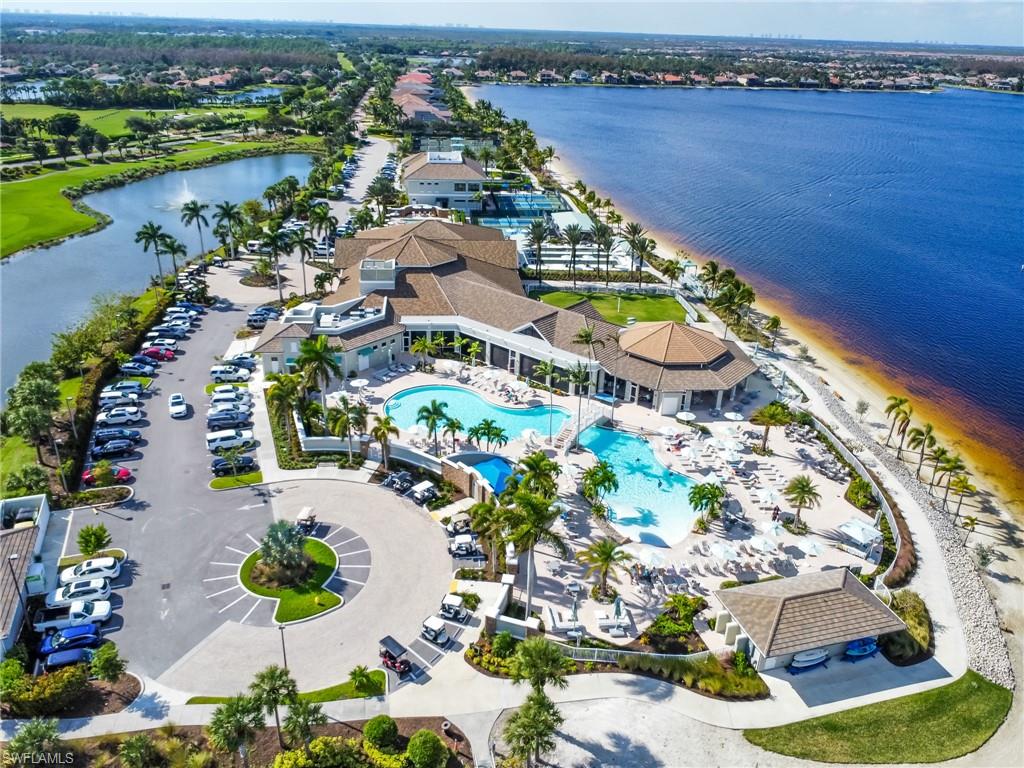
685 568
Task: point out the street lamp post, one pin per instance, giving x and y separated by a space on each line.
17 587
71 418
60 471
284 652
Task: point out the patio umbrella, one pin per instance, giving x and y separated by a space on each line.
772 527
769 496
714 479
358 384
518 386
733 416
812 548
646 555
687 454
574 614
686 416
733 445
717 443
763 544
668 431
723 551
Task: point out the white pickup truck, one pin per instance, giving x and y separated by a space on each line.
79 612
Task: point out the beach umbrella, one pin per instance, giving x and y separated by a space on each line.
733 458
646 555
717 443
769 496
733 416
812 548
686 416
687 454
518 386
723 551
358 384
772 527
668 431
763 544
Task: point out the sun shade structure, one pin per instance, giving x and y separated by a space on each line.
813 610
860 532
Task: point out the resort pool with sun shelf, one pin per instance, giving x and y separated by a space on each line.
650 505
470 409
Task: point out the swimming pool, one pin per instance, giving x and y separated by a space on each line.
650 505
496 471
469 408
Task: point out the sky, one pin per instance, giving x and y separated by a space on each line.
985 22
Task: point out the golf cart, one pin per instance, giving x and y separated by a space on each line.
306 521
423 492
391 653
458 524
434 631
451 609
463 545
401 482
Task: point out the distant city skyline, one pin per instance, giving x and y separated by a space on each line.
982 22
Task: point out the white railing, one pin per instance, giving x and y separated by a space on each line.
612 655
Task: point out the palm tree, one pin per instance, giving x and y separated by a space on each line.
306 246
343 419
384 428
151 235
922 438
636 237
530 522
277 242
775 414
234 725
174 248
538 234
432 416
546 370
192 213
962 485
539 662
537 473
936 456
585 338
284 393
573 236
672 271
425 347
485 430
894 405
969 524
273 687
599 479
903 420
951 467
772 325
303 716
452 427
486 157
530 731
229 216
579 376
706 500
605 241
488 520
603 557
473 351
801 492
317 362
710 275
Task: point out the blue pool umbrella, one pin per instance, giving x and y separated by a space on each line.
617 612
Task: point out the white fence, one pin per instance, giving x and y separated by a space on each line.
612 655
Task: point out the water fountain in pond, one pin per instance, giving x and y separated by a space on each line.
182 196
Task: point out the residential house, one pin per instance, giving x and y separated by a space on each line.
809 82
579 76
640 78
443 179
776 82
548 76
518 76
214 81
670 79
453 72
484 74
749 80
610 78
726 79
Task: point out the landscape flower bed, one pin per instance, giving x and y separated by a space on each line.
303 600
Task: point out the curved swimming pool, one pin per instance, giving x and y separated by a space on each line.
470 408
651 503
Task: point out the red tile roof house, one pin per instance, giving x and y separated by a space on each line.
484 74
669 79
548 76
518 76
416 77
214 81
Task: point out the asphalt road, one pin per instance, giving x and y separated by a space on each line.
175 525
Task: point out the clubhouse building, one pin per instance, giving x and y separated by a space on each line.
441 279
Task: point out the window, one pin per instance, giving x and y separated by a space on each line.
459 187
473 187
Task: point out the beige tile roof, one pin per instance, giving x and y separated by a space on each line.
724 373
419 167
412 251
672 343
808 611
273 334
366 335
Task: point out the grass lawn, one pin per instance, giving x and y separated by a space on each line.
615 308
15 453
213 385
307 599
236 481
346 63
21 201
68 388
927 727
111 122
334 693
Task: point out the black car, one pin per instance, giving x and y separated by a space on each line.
143 360
116 433
227 420
241 362
113 448
243 464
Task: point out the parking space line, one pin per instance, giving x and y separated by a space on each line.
339 577
244 554
250 538
357 552
335 533
237 586
233 565
249 612
427 663
355 566
220 578
240 599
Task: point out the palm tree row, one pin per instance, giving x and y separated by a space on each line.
730 297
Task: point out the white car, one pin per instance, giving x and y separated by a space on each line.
86 589
237 394
177 406
162 343
128 414
221 373
180 323
229 408
96 568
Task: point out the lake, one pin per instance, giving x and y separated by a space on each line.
47 290
894 220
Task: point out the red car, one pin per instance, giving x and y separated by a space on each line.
120 475
158 353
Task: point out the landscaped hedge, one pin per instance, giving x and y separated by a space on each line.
45 695
915 643
324 752
587 277
708 675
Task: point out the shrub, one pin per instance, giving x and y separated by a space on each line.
49 693
36 738
93 538
107 664
913 644
137 751
426 750
324 752
381 731
504 645
12 678
470 599
861 494
32 478
382 759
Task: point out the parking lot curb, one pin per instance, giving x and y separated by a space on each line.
105 504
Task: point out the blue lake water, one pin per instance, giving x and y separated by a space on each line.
894 221
470 408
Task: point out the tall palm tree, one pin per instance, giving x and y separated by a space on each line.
425 347
951 467
936 456
234 725
585 338
710 276
672 270
603 557
384 428
599 479
485 430
174 248
452 427
317 362
229 216
801 492
962 485
284 393
273 687
344 419
306 246
488 520
579 376
537 474
902 427
486 157
303 716
278 242
531 521
706 499
151 235
538 661
605 241
894 405
775 414
922 438
772 325
192 213
432 416
635 236
573 236
546 370
538 234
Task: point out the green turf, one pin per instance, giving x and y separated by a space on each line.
111 122
928 727
68 388
21 225
346 63
15 453
236 481
307 599
333 693
615 308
